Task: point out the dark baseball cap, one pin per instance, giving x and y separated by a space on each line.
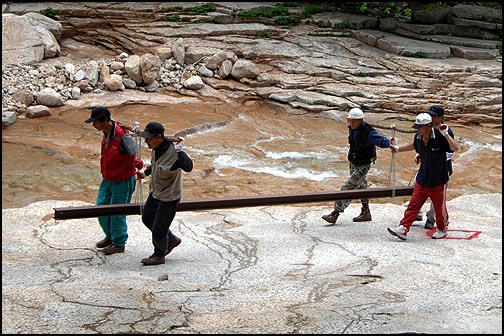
436 111
152 128
98 112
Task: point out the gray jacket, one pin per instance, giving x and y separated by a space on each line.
165 184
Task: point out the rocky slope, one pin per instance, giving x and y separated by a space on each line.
312 67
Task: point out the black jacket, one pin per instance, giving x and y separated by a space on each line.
361 150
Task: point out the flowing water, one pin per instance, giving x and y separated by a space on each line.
256 149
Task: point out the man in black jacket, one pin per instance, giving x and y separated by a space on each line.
363 140
437 113
432 143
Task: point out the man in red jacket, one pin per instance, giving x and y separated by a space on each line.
117 163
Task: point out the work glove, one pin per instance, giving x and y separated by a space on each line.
394 149
140 175
417 158
443 128
179 145
139 164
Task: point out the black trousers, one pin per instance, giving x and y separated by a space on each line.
157 216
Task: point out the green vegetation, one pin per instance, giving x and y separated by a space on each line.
418 54
51 13
343 25
398 11
432 7
278 10
210 7
171 18
496 5
317 8
286 20
311 9
363 7
491 38
353 7
266 35
499 46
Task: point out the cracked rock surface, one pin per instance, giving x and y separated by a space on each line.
256 270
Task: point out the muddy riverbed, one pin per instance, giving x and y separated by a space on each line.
255 149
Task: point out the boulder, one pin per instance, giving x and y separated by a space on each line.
21 42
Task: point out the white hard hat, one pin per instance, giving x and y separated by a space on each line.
355 113
421 120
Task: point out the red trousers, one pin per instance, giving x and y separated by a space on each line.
420 195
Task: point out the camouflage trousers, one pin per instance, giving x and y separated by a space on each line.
357 180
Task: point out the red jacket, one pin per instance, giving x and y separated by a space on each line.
114 165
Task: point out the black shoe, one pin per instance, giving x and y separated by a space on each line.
104 243
172 244
429 224
153 260
111 249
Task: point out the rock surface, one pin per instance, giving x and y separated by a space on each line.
276 270
263 269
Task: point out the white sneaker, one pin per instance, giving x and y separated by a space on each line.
439 234
400 232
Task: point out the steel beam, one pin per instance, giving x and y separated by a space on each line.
226 203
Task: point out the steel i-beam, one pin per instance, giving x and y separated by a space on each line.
225 203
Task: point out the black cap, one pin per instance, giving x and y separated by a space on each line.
98 112
152 128
436 111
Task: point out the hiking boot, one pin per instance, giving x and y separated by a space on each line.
153 260
104 243
429 224
172 244
365 216
332 217
400 232
111 249
439 234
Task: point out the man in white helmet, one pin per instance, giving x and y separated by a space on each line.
432 144
363 140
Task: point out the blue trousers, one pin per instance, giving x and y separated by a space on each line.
115 227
